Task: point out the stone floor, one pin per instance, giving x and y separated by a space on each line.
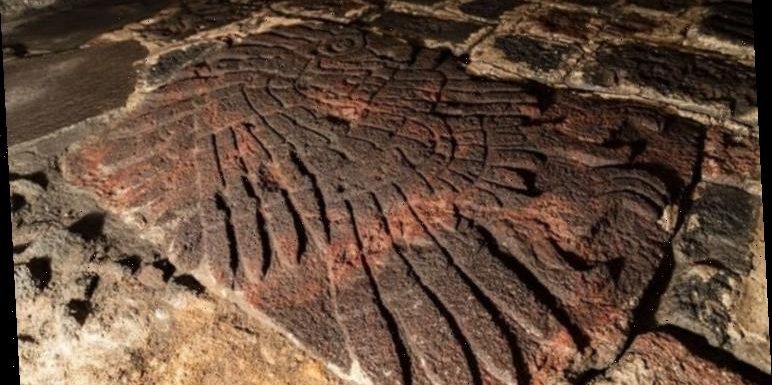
387 192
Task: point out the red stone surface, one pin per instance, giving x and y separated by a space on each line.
731 156
384 207
659 358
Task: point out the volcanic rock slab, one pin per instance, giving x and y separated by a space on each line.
402 220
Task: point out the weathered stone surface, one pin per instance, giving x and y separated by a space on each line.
732 159
68 29
665 5
49 92
727 27
168 64
593 3
194 16
535 43
403 221
703 83
396 215
424 2
534 53
569 23
458 36
624 22
730 20
643 50
11 9
718 289
109 311
658 358
332 10
489 9
632 23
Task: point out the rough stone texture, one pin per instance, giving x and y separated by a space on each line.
349 181
424 2
97 305
15 8
730 20
732 159
694 81
49 92
629 22
535 43
167 65
343 11
590 3
427 4
58 31
725 26
343 188
536 54
630 50
658 358
458 36
665 5
717 290
194 16
489 9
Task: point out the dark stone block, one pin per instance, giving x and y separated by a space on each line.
671 71
629 22
727 223
538 54
731 20
714 253
489 9
567 22
593 3
426 27
665 5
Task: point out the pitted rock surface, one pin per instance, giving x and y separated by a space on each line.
393 213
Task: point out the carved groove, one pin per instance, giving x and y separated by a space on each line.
510 212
